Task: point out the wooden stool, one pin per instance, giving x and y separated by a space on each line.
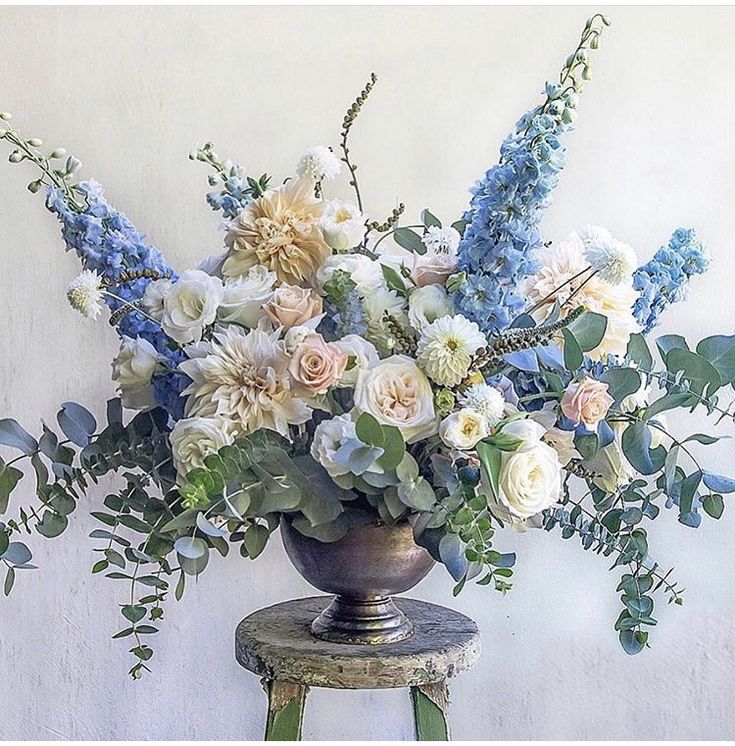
276 643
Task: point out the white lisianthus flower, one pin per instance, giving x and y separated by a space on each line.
328 438
318 163
365 273
375 305
195 438
132 370
152 300
446 348
85 294
244 297
191 305
441 240
361 352
562 441
530 477
427 304
464 429
397 393
613 260
343 225
243 377
636 400
487 401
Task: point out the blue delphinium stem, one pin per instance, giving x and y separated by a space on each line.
664 278
504 214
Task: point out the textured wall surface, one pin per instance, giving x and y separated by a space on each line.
130 90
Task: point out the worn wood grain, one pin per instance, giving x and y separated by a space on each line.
276 643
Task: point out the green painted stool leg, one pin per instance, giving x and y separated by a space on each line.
285 710
430 707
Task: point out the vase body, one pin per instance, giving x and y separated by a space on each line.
363 569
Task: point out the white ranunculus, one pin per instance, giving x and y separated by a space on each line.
132 370
245 296
195 438
328 437
397 393
191 305
153 297
463 430
365 272
343 225
365 357
427 304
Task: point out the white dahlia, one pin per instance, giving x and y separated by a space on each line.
243 377
446 348
85 294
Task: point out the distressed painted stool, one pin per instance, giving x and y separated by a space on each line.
276 644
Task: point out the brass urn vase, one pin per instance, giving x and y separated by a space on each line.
363 569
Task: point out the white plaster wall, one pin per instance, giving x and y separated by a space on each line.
130 90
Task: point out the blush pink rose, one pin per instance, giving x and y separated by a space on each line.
316 365
586 402
432 268
291 305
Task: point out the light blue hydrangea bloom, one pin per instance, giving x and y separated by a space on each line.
663 280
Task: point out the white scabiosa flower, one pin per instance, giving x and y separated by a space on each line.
195 438
343 225
427 304
487 401
613 260
446 348
318 163
132 370
85 294
441 240
464 429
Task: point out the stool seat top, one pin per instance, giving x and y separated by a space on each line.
276 643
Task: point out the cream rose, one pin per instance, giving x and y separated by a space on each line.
195 438
191 305
586 402
316 365
432 268
245 296
463 430
343 225
364 355
397 393
291 305
132 371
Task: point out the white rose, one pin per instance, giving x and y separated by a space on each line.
365 357
328 437
427 304
530 478
463 430
195 438
191 305
365 273
343 225
398 394
245 296
152 300
132 371
528 430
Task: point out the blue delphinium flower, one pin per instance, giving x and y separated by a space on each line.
502 232
106 241
663 279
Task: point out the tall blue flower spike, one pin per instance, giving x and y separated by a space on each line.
664 278
502 234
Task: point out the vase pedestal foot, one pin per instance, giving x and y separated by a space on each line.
362 621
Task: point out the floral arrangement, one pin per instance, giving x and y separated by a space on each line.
468 378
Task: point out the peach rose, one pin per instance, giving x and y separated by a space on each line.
432 268
292 305
316 365
586 402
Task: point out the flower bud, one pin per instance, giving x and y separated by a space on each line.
552 90
6 115
58 153
16 156
34 186
72 164
34 142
